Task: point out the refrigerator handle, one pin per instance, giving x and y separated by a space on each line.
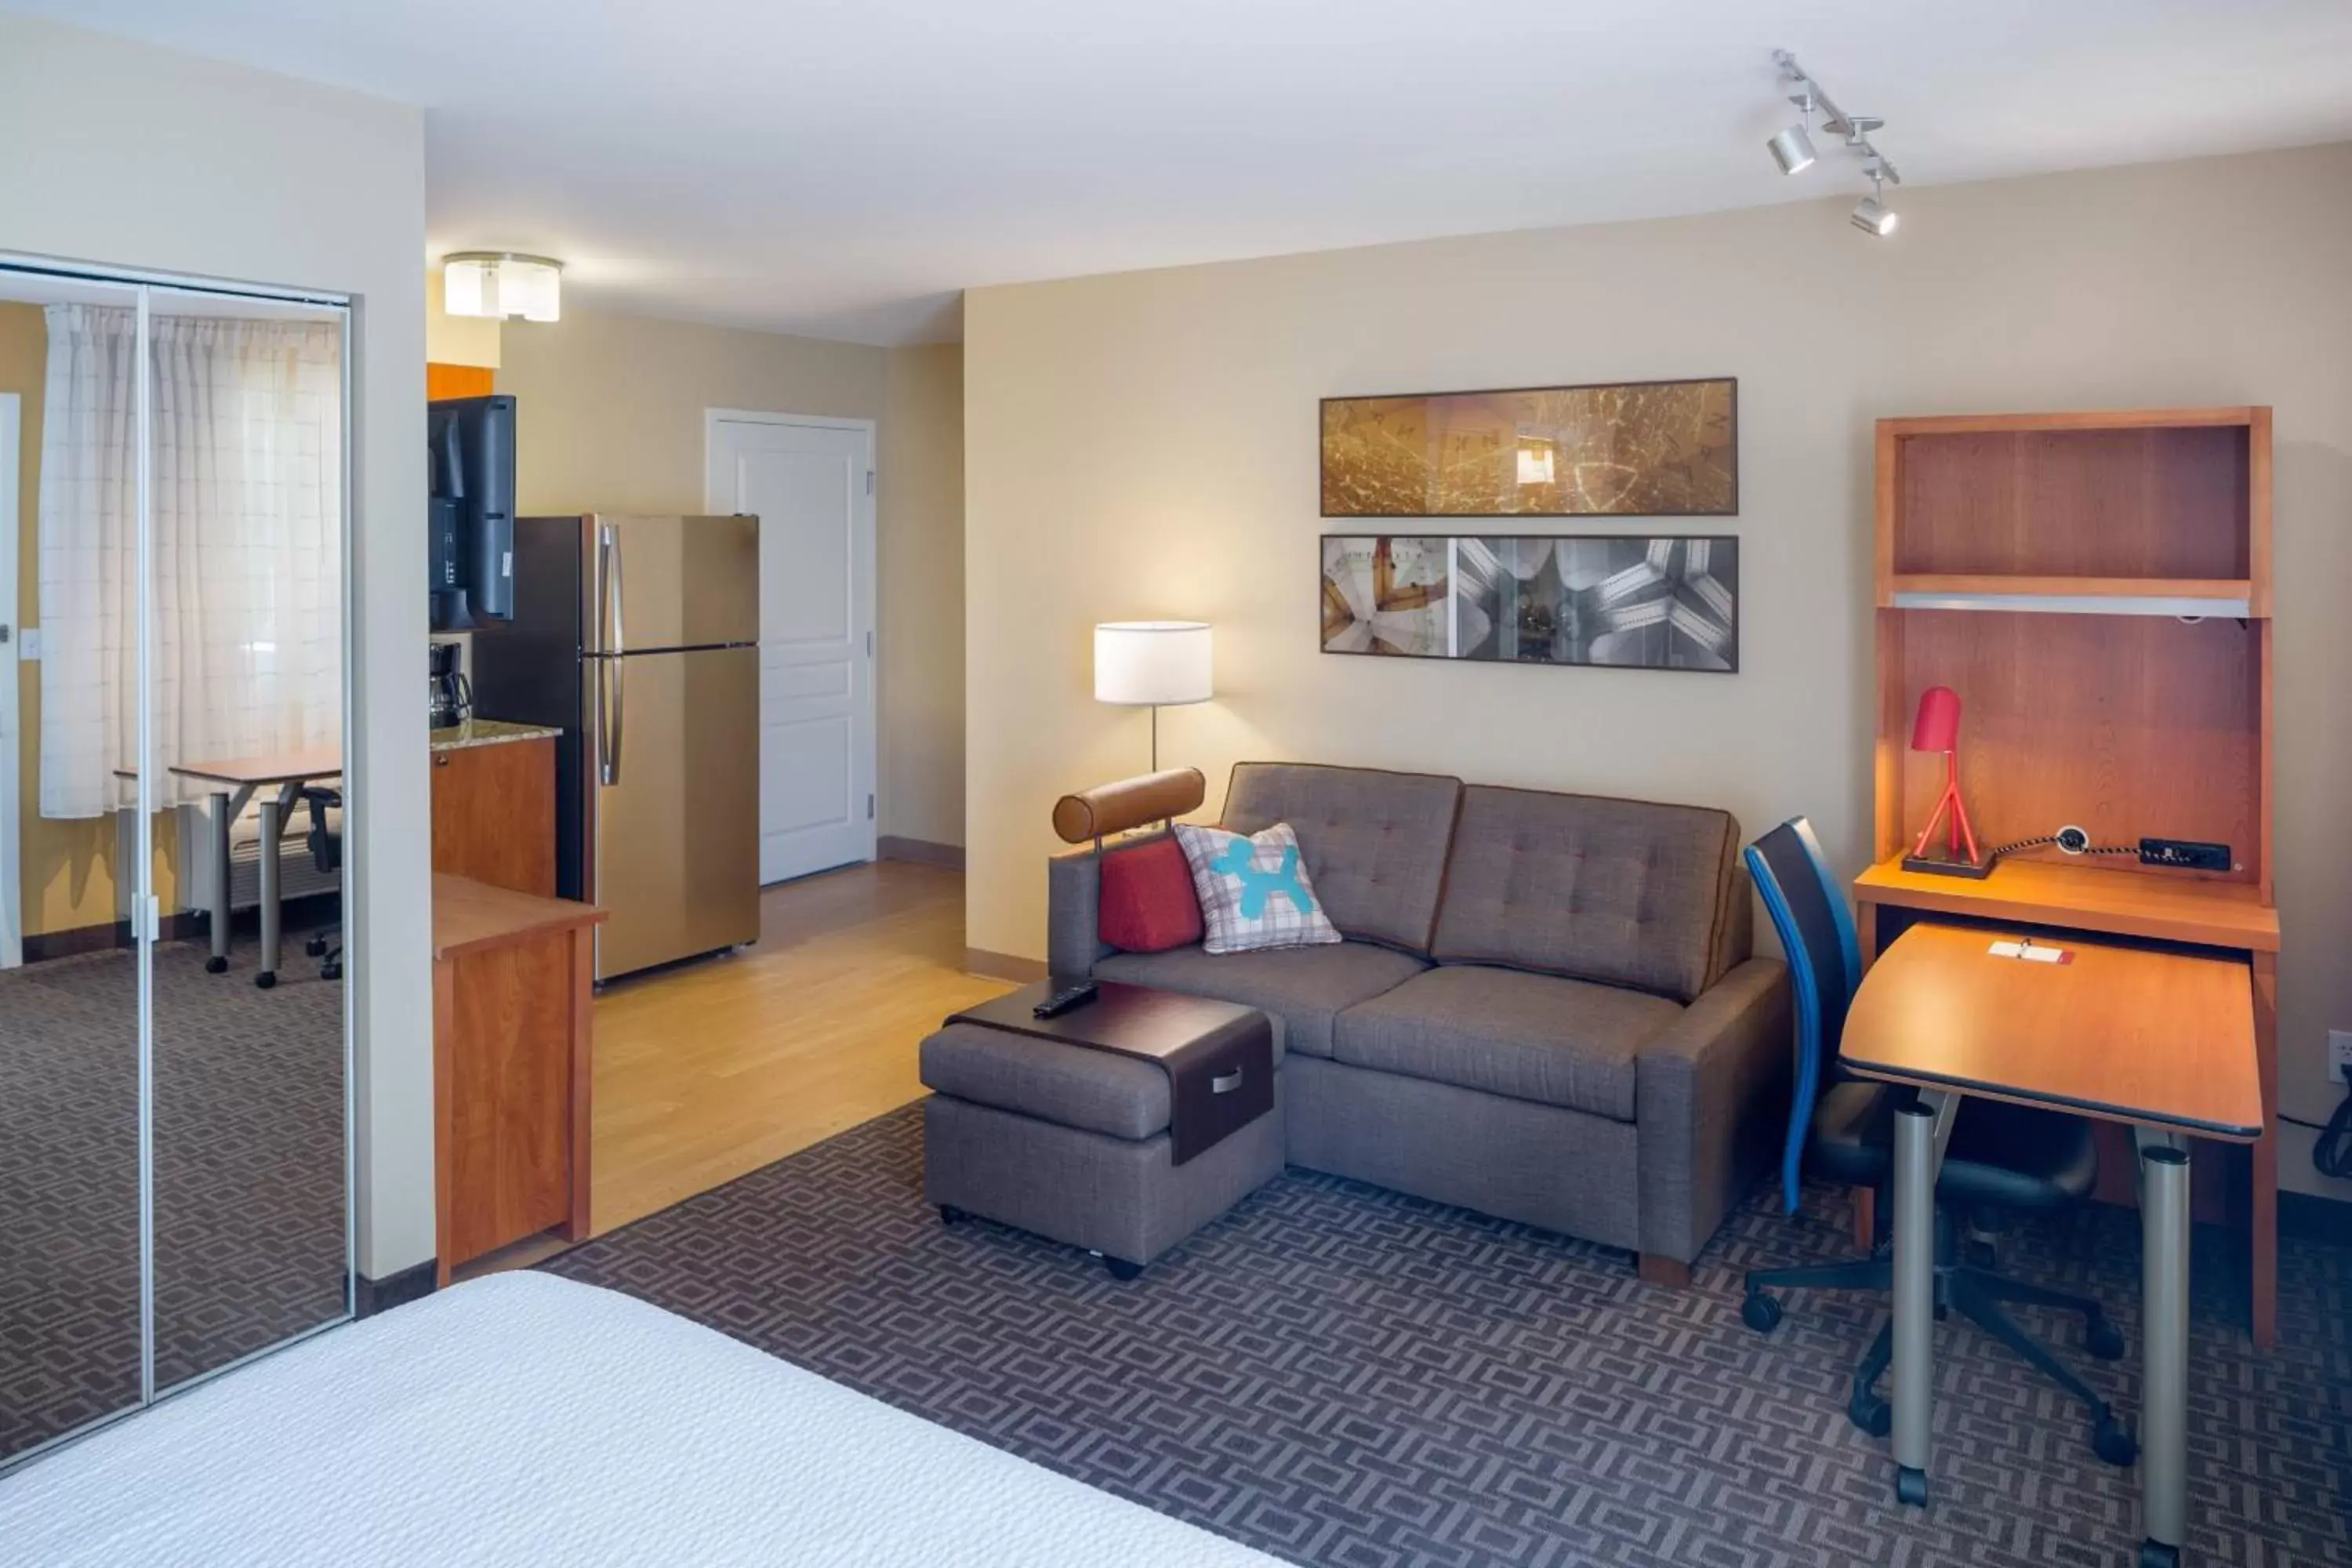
608 548
614 733
608 721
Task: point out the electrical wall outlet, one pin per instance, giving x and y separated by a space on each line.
2340 1055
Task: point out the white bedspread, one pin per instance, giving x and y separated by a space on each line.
525 1419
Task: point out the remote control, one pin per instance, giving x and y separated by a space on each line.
1062 1001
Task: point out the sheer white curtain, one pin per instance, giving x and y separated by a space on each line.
247 487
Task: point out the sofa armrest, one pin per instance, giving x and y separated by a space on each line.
1711 1105
1073 911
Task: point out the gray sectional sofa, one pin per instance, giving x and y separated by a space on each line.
1545 1008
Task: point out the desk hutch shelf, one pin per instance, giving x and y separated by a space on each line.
2097 587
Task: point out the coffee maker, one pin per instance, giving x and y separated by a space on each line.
453 695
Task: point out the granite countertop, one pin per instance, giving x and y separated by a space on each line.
489 732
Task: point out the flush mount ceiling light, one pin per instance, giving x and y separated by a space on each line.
500 283
1792 149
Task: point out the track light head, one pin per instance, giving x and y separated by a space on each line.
1871 216
1792 150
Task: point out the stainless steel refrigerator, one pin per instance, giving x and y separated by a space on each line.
639 637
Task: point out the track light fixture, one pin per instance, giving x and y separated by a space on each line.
1792 149
1873 216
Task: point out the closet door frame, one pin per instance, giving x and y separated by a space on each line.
146 909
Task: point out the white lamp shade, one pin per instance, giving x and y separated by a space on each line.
1157 664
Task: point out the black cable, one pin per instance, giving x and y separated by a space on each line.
2331 1152
2024 844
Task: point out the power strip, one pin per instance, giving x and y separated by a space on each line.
2187 854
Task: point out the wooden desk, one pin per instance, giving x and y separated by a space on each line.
240 777
2230 917
2159 1041
512 1066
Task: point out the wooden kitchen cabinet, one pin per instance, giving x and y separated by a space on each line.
494 812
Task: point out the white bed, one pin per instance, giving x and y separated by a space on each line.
525 1419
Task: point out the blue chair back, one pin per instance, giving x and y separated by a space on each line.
1808 912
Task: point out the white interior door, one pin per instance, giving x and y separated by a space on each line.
811 484
12 869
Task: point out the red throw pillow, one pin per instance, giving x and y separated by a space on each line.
1148 901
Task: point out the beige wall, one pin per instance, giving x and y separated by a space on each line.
919 494
609 416
608 409
456 339
287 183
1145 445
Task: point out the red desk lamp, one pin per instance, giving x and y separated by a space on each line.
1937 729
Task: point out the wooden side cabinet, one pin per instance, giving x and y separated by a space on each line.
494 814
512 1066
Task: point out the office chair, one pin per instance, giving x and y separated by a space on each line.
327 854
1999 1157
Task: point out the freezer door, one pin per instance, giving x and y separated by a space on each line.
673 764
654 582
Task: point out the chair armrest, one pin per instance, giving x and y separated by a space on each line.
1711 1105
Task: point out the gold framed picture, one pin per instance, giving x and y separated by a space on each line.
1649 449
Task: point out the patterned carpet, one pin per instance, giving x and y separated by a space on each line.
1339 1374
248 1175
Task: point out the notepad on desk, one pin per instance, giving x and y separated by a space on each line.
2030 951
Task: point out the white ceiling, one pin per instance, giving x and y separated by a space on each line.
845 167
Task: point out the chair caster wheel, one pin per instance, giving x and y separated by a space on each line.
1910 1487
2104 1340
1761 1311
950 1215
216 966
316 947
1120 1269
1871 1415
267 980
2112 1441
2156 1554
330 972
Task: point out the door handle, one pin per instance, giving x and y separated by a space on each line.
1225 1083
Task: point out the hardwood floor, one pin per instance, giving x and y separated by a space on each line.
713 1069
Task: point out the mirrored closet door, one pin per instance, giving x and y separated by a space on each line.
173 1032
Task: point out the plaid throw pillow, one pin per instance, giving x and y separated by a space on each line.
1254 891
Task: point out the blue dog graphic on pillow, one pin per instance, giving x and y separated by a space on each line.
1258 886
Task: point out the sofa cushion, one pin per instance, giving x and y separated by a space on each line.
1374 842
1303 987
1625 892
1253 891
1521 1036
1148 904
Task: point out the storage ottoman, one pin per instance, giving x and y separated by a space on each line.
1072 1142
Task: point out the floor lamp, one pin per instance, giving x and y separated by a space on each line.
1154 665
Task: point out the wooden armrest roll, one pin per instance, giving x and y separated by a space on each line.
1115 807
